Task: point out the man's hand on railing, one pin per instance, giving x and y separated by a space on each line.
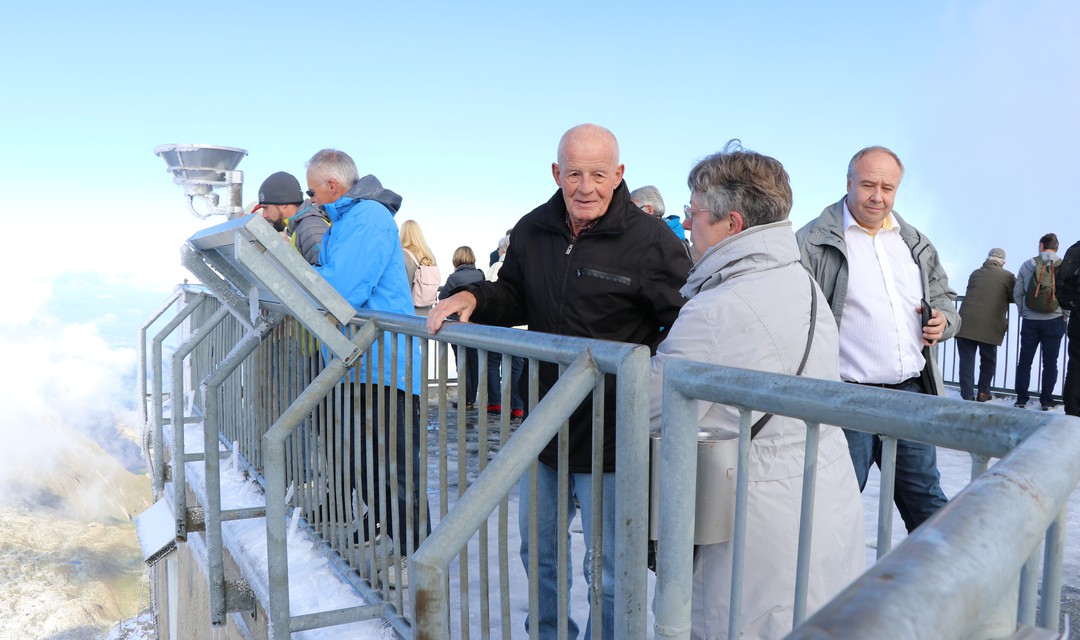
462 303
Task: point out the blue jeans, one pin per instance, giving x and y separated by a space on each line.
1046 336
987 365
918 493
547 542
494 380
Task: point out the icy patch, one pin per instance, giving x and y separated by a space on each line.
313 584
156 528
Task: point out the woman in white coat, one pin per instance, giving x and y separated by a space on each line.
749 306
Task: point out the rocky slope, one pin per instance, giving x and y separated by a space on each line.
70 564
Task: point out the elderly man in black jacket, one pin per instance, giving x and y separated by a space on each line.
984 321
585 263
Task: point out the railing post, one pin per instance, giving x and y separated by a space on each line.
178 421
631 491
212 463
678 487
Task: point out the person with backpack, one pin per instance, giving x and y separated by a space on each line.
1042 324
1068 294
420 267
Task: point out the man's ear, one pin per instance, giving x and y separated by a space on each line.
555 173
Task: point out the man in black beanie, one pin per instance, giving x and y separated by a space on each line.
280 200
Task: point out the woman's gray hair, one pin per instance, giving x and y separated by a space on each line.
737 179
333 164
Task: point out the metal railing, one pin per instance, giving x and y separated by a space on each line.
274 400
1004 382
272 378
959 550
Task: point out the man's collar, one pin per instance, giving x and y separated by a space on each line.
890 223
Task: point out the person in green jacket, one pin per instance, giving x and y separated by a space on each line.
984 321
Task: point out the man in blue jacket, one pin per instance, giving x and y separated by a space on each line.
362 258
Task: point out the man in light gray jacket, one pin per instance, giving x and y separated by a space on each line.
880 274
1039 329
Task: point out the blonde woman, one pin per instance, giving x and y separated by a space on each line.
418 256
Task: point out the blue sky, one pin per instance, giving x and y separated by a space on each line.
458 107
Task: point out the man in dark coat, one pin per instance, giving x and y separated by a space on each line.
586 263
984 321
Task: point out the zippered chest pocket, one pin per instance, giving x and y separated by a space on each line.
584 272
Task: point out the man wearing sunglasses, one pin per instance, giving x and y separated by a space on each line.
363 260
282 205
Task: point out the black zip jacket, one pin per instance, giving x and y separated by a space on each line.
620 281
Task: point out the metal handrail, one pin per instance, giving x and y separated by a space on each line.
1022 494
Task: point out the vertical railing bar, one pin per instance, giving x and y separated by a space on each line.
738 542
562 525
482 455
534 536
371 391
678 487
463 557
806 521
425 411
595 559
1025 613
979 464
887 487
201 336
504 509
1053 558
398 544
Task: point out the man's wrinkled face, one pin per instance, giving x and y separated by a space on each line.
588 172
872 188
322 190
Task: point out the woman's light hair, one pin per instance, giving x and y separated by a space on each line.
464 255
413 240
737 179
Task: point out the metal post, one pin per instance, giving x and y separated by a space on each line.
179 455
738 537
806 521
885 499
214 546
631 484
1054 556
678 487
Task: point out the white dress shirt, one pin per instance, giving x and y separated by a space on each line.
880 329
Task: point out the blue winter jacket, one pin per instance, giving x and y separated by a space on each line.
362 258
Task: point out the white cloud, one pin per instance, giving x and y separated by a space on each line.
59 374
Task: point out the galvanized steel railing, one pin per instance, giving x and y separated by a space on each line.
944 579
269 395
253 372
1005 372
